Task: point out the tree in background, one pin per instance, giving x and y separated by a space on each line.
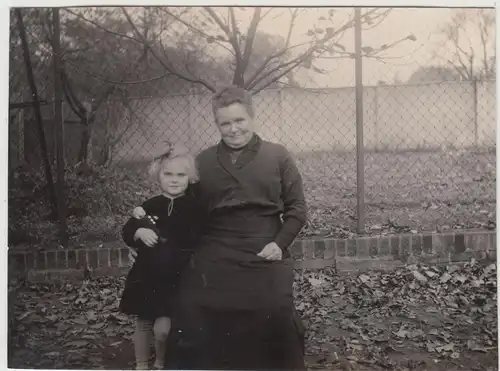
26 138
433 74
117 54
217 34
34 22
397 80
471 59
89 51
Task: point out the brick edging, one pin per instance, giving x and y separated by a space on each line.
428 248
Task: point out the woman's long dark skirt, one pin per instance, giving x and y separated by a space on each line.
235 310
241 340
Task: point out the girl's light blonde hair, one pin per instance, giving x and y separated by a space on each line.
171 153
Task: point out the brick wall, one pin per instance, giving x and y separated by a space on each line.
382 252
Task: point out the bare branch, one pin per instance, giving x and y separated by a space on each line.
168 66
295 14
275 79
73 51
457 33
375 55
295 62
234 26
318 44
252 31
379 19
252 82
116 82
459 70
102 28
266 13
461 54
217 20
197 30
286 47
232 39
483 32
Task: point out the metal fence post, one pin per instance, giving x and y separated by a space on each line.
376 126
474 120
281 120
360 178
58 121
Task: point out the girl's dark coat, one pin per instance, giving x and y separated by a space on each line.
151 284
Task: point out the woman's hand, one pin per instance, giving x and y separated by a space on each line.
271 252
146 235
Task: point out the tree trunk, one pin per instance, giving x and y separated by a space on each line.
84 143
105 153
238 78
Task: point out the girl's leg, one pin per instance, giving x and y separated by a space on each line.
142 343
161 329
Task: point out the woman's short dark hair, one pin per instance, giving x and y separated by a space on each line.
230 95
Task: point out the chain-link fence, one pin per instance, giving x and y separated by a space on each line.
429 159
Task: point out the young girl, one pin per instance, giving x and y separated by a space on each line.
163 230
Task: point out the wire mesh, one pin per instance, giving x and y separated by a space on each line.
136 78
430 126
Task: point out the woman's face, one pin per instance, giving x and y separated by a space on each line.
173 176
235 125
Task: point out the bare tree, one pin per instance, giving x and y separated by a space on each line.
118 53
433 74
103 65
86 53
471 59
221 29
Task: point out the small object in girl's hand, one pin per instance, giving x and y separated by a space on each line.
152 219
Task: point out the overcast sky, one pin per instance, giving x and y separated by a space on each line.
407 57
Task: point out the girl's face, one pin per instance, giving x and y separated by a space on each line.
173 176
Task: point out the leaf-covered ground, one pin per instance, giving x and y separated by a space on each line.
414 318
405 191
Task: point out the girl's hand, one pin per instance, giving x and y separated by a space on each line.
139 213
132 255
147 236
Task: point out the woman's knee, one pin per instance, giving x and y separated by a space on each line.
161 328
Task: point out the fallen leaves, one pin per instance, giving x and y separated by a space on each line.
73 325
419 277
441 311
371 320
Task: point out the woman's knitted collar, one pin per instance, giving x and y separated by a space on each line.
252 145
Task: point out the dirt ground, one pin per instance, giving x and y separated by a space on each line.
414 318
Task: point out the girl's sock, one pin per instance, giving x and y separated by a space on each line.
142 343
161 329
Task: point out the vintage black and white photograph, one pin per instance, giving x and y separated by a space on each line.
252 188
